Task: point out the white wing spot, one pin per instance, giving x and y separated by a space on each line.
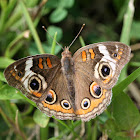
107 58
29 73
15 68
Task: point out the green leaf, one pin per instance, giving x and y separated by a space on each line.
28 121
52 30
66 3
58 15
60 3
40 118
5 62
7 93
2 78
125 112
110 128
52 3
31 3
137 129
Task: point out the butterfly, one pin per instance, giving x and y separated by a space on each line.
73 87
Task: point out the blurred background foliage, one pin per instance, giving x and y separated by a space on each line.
21 35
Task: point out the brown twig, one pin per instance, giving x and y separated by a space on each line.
43 2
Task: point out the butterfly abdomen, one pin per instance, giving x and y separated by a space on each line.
68 72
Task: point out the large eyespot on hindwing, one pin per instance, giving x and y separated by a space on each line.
34 84
51 97
65 104
105 70
95 90
85 104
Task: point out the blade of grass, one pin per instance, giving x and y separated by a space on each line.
122 10
12 48
121 86
94 131
125 35
10 118
71 129
128 18
2 17
89 130
32 28
28 100
82 41
134 64
16 16
54 44
61 135
3 115
27 111
44 132
7 8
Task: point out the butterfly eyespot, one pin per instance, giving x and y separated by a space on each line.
115 55
34 83
105 70
95 90
98 91
85 104
19 74
51 97
65 104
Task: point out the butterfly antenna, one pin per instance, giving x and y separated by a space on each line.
52 37
77 35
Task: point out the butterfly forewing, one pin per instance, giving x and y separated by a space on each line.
32 74
102 61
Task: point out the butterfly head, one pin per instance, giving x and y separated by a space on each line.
66 53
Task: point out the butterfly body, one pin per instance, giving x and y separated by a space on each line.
75 87
68 74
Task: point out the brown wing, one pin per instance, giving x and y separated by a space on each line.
32 75
40 78
90 99
57 102
102 62
97 67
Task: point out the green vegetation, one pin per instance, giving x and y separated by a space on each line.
21 35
